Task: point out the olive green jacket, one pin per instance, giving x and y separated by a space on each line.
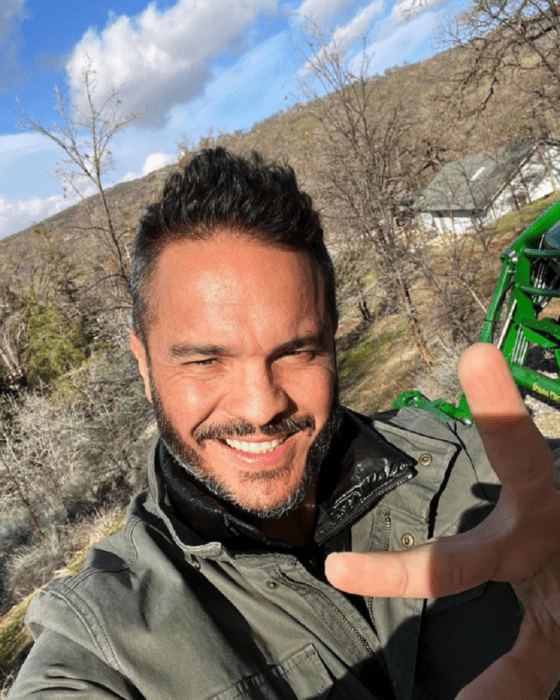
161 612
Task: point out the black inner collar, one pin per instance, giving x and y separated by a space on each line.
360 467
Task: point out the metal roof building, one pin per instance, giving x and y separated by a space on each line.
482 187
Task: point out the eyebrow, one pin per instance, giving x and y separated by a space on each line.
182 350
318 340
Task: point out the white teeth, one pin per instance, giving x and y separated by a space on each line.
254 448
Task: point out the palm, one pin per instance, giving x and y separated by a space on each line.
519 542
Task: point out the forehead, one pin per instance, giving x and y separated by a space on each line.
232 274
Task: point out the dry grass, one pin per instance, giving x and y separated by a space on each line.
377 363
15 639
88 534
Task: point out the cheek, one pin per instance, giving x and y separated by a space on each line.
313 392
187 403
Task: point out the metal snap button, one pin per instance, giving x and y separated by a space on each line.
425 460
271 584
407 540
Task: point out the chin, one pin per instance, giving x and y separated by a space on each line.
275 505
267 494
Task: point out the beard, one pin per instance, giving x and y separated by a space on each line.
193 463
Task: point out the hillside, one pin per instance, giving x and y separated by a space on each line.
428 92
69 228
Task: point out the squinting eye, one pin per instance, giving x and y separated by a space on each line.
201 363
303 354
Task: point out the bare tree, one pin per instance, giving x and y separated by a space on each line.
452 273
370 168
503 43
59 458
33 452
86 138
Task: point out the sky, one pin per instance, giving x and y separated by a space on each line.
186 68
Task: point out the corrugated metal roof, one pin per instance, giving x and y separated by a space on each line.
472 183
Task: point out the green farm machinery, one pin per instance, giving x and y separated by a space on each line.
529 279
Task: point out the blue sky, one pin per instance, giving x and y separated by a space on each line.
188 66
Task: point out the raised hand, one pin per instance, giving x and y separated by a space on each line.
518 542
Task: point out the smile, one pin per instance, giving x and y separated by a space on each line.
254 448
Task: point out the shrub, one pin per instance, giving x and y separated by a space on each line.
53 343
65 455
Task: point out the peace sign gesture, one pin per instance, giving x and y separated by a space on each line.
518 542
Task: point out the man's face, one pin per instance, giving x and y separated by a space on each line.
241 367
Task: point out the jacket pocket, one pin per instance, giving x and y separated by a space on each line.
301 677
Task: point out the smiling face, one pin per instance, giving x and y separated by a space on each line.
241 367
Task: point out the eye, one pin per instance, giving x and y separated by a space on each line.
305 354
207 362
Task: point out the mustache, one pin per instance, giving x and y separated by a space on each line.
241 428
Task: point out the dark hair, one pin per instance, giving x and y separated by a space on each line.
218 190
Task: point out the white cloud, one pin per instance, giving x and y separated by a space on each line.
405 9
22 145
156 161
17 216
128 177
399 42
11 14
162 58
321 11
393 37
244 93
343 37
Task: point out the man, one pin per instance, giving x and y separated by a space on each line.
216 589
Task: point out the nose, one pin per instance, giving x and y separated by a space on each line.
256 396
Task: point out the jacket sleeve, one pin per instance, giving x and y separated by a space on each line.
70 654
57 668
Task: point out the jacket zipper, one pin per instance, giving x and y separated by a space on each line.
387 538
297 585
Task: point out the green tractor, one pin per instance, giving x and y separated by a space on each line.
530 278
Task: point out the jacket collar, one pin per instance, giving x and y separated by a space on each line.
360 468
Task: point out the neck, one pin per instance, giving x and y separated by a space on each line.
295 527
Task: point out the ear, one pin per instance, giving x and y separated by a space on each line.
139 352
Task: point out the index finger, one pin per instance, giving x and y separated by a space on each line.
514 446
